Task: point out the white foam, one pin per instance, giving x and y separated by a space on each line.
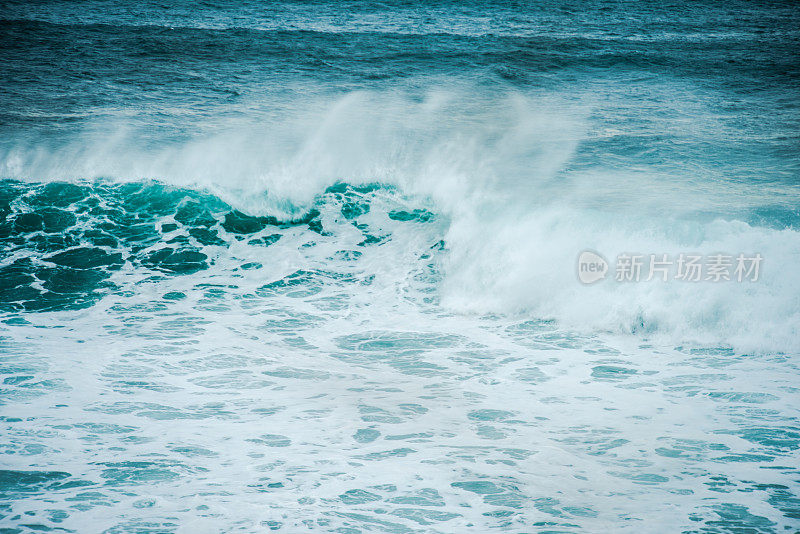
502 169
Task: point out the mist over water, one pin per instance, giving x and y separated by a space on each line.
313 267
505 170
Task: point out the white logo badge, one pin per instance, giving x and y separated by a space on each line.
591 267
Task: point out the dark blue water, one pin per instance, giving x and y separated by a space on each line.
312 266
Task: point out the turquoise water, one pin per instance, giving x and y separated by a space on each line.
312 267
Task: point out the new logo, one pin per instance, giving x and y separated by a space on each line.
591 267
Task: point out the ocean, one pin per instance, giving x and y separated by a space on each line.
408 267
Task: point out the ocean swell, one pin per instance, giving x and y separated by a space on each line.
506 179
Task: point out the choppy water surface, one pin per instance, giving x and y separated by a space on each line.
312 268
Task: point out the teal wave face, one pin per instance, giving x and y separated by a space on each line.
60 243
